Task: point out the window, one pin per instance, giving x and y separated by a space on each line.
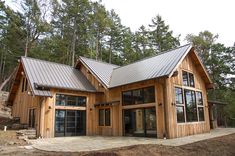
68 100
178 95
149 95
101 117
138 96
26 85
104 117
180 114
179 105
200 106
188 79
127 98
201 113
190 104
22 87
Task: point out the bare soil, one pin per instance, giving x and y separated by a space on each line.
221 146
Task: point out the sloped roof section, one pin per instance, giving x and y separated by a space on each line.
101 70
160 65
44 74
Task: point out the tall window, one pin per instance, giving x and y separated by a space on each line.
104 117
188 79
200 106
138 96
179 105
68 100
189 105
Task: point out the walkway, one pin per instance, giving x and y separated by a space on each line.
89 143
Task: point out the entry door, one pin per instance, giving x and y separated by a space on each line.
31 118
70 123
140 122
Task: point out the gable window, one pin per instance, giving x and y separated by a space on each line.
188 79
22 87
138 96
200 106
68 100
104 117
179 104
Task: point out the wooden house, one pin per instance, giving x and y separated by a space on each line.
161 96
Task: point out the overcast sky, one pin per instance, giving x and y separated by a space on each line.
183 16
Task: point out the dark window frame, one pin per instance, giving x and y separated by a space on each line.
143 91
200 105
65 99
190 81
190 111
104 117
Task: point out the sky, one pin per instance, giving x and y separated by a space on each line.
183 16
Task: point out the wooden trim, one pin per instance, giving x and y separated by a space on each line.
70 107
139 106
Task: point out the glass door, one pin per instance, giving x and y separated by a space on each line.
70 122
140 122
59 123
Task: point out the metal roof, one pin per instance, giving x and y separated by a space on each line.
53 75
102 70
163 64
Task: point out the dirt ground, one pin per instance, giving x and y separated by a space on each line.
221 146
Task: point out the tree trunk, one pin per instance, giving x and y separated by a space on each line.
110 50
8 79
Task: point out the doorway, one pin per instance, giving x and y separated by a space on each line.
32 115
140 122
70 123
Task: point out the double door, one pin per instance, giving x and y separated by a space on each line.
140 122
70 123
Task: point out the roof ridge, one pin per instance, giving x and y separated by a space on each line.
160 53
99 61
32 58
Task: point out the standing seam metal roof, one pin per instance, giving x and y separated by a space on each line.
160 65
101 69
54 75
153 67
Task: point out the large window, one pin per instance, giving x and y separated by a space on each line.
188 79
104 117
138 96
68 100
189 105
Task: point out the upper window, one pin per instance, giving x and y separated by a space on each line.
68 100
138 96
188 79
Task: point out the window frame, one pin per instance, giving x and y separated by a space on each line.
201 106
142 90
65 99
104 119
198 106
180 105
190 79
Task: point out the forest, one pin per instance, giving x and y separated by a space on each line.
60 31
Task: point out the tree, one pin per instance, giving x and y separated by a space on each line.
35 23
162 38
